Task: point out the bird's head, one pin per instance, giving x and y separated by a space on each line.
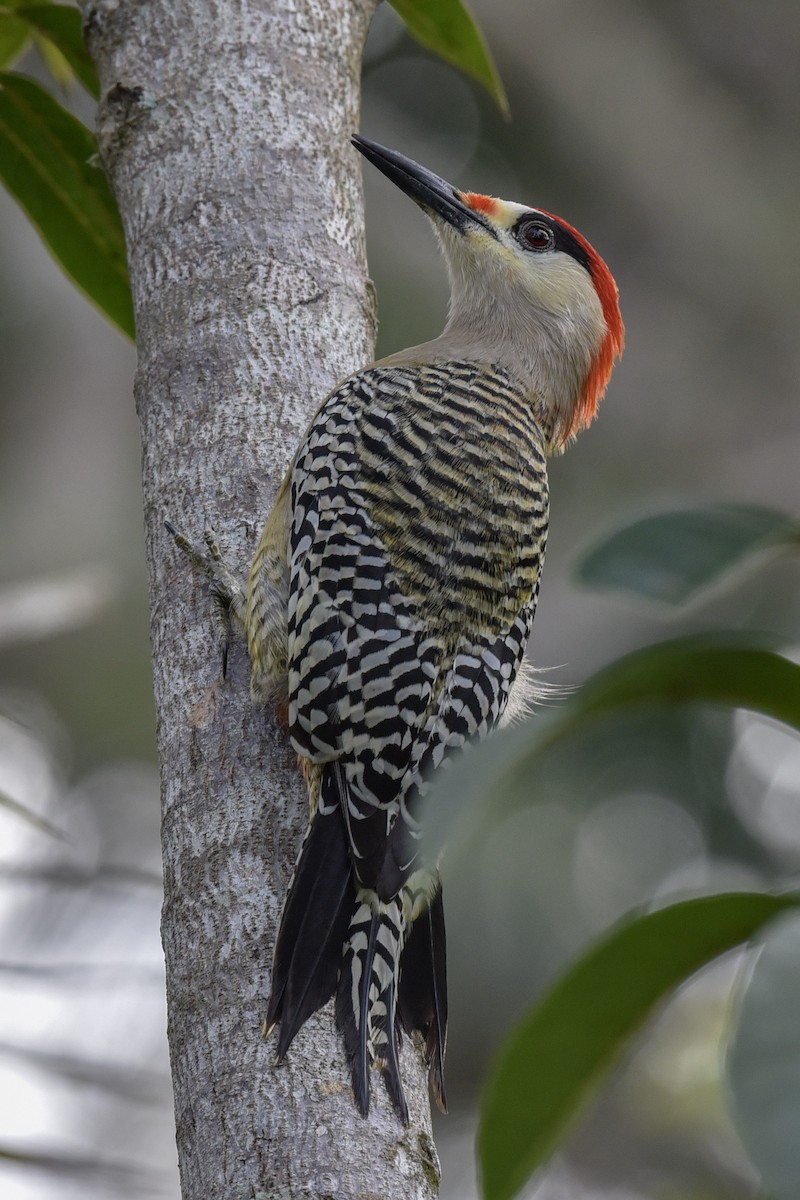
526 291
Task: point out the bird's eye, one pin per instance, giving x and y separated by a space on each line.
532 235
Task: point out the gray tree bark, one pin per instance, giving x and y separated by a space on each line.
224 128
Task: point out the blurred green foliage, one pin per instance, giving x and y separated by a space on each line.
447 28
46 162
47 157
563 1047
59 26
764 1058
674 556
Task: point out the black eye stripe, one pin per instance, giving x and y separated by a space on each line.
563 239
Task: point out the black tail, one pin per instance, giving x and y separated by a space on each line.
313 928
422 1001
335 938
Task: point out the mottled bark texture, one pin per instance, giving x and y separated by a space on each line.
224 127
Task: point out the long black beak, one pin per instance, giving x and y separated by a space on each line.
428 190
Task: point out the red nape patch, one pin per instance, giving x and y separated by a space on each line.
613 343
484 204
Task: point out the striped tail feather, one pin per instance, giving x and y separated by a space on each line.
366 1000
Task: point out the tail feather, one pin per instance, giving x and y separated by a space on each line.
336 938
422 1000
365 1002
391 1061
366 999
313 928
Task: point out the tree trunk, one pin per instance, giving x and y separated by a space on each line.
224 128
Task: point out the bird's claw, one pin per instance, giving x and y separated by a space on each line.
227 592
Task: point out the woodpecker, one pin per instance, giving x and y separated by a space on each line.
391 598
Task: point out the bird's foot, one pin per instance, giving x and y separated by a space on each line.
227 589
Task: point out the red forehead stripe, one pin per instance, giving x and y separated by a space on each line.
484 204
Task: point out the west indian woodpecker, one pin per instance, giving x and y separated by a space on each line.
392 594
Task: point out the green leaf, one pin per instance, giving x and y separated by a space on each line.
764 1061
672 556
726 671
562 1049
54 60
14 37
45 162
723 670
448 29
62 27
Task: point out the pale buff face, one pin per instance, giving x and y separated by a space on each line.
538 312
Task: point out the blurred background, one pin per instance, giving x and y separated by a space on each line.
668 134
